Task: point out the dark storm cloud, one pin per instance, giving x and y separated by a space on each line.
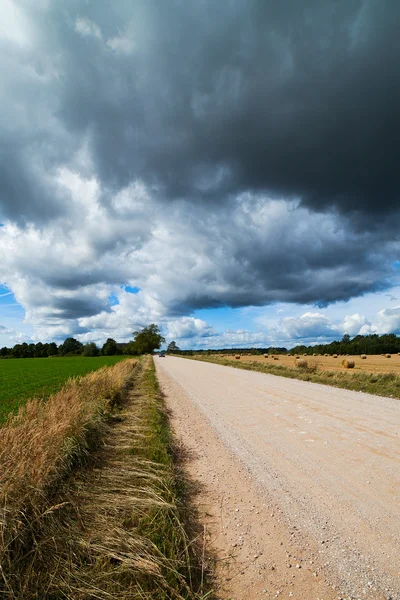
199 114
263 253
298 99
295 98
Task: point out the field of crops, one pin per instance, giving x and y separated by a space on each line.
24 378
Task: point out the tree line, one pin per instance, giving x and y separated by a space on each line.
387 343
149 339
144 341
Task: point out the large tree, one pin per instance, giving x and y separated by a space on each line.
70 346
147 340
90 349
172 348
110 348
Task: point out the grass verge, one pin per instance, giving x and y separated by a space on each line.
382 384
91 504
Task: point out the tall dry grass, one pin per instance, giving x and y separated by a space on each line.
92 505
38 449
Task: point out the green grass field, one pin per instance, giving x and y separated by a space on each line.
23 378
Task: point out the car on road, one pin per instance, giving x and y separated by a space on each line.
161 355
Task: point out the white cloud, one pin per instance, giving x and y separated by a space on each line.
388 320
309 325
188 328
14 24
124 43
86 27
354 324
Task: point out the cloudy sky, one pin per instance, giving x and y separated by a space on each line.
227 170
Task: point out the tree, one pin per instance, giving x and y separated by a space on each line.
147 340
90 349
172 348
70 346
110 348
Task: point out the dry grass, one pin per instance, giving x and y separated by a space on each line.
38 449
89 495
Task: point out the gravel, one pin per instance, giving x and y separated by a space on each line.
326 459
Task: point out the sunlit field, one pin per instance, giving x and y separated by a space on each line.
372 364
24 378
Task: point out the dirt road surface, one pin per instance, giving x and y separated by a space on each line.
301 482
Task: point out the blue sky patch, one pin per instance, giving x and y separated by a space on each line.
130 290
112 299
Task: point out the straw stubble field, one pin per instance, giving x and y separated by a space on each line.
372 364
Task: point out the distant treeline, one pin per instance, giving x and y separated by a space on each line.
360 344
144 341
255 351
70 347
388 343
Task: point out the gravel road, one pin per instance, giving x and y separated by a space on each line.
329 458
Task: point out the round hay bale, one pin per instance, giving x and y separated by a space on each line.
335 356
348 364
276 357
301 363
297 357
237 356
388 355
314 354
363 356
326 354
265 355
305 354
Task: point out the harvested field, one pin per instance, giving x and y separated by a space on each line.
372 364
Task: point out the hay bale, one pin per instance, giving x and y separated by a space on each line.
301 363
265 355
326 354
348 364
297 357
388 355
363 356
335 356
314 354
305 354
276 357
237 356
